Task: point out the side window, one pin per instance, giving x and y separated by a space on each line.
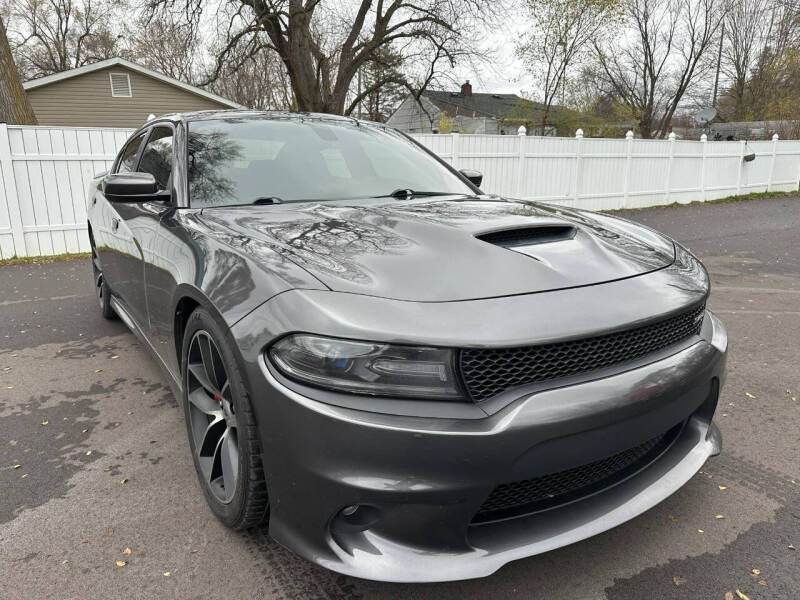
157 156
127 160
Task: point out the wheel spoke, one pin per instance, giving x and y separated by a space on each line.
208 361
198 371
220 375
211 437
229 459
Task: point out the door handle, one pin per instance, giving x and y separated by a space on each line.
114 224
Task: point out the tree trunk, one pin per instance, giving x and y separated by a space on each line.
14 105
646 127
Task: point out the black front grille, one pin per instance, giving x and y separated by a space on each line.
488 372
524 497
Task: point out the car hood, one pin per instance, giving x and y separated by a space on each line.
446 248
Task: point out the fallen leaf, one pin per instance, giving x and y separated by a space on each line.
84 541
728 595
167 573
700 531
127 551
98 370
762 582
16 466
722 487
88 453
24 476
113 357
11 387
719 516
63 562
124 480
741 595
791 547
673 519
121 563
45 422
749 395
84 430
110 531
194 551
678 580
756 571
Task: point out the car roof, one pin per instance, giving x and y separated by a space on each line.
206 115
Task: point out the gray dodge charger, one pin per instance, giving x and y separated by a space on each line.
403 378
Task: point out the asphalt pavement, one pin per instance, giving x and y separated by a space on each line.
95 470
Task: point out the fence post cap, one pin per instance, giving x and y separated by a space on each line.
579 133
522 130
629 135
704 138
775 137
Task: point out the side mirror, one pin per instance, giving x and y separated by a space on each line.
475 177
132 187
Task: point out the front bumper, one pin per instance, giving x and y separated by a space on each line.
420 481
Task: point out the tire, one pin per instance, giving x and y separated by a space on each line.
241 501
102 291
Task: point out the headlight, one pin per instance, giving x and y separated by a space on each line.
367 367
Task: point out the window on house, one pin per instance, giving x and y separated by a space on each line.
120 85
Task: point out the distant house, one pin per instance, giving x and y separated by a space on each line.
463 111
114 93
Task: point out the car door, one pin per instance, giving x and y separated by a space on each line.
139 222
113 240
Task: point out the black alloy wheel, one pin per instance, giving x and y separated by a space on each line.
212 417
223 436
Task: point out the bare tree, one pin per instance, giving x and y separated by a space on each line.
746 34
14 105
57 35
258 80
561 33
323 43
170 45
652 69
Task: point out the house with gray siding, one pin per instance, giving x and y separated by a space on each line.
114 93
462 112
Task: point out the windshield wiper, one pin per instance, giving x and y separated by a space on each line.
409 193
267 200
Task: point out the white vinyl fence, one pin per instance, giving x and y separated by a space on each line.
45 172
44 176
606 174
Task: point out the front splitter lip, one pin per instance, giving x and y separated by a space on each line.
497 544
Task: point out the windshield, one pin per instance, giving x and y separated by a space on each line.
238 161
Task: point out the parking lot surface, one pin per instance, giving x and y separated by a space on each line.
95 469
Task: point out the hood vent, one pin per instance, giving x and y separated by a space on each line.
528 236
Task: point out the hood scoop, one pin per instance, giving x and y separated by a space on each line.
528 236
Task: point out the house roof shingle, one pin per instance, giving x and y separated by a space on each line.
483 105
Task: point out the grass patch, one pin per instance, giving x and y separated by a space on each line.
725 200
39 260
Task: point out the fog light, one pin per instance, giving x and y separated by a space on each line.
350 510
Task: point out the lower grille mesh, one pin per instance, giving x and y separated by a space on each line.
523 497
488 372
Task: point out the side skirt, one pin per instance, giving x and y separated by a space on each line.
174 380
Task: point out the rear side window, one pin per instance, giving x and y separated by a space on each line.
157 156
127 160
